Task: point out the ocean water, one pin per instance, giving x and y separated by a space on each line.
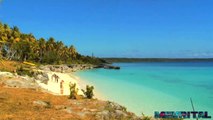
148 87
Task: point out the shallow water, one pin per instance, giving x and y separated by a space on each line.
148 87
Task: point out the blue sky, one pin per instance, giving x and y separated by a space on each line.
119 28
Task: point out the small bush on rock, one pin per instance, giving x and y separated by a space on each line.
89 92
73 91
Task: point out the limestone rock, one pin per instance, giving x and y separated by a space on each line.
20 83
42 103
6 74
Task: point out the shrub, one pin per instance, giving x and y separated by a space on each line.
89 92
144 117
22 71
73 91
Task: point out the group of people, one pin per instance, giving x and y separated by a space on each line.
56 77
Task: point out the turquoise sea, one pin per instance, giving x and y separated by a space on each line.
157 86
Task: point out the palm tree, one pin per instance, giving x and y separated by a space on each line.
50 44
16 29
31 37
35 49
1 44
65 53
72 52
42 48
59 48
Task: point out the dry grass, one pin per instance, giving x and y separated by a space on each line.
9 66
18 104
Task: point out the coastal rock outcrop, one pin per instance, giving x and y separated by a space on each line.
107 66
13 80
41 103
42 77
20 83
66 68
115 111
6 74
31 99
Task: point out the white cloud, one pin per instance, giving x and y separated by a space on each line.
203 54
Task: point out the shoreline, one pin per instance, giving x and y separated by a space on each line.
29 100
68 75
83 83
54 86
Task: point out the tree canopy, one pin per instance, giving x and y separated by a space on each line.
15 45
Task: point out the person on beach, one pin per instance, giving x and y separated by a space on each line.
56 78
62 69
62 87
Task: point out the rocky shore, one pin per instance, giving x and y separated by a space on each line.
66 68
75 67
15 81
21 97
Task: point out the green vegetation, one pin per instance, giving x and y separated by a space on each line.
24 71
73 91
144 117
18 46
89 92
113 60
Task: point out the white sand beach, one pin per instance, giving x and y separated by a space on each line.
54 87
82 84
